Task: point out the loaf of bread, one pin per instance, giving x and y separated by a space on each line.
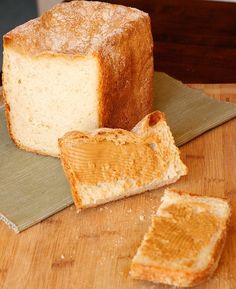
80 66
109 164
184 243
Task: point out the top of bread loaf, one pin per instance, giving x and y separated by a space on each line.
78 27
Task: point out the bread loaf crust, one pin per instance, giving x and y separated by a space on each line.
124 82
124 50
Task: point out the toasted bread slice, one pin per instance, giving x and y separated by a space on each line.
110 164
184 243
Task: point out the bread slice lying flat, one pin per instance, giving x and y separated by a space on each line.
110 164
185 241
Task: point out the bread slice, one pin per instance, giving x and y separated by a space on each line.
109 164
184 243
80 66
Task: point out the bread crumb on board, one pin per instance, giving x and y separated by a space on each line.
141 218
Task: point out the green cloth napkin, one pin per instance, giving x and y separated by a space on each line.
34 187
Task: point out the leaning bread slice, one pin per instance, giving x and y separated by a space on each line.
185 241
110 164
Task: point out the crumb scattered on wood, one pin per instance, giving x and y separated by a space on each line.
141 218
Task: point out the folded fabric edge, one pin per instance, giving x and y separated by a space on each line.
9 223
21 227
61 206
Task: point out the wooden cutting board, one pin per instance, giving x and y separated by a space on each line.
93 249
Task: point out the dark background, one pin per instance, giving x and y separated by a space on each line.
14 13
195 41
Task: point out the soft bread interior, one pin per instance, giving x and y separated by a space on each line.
49 96
163 164
192 246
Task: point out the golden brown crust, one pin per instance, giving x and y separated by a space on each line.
155 117
180 192
70 176
152 119
62 26
127 79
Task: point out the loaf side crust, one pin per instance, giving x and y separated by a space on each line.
126 83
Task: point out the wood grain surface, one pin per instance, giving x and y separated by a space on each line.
93 249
